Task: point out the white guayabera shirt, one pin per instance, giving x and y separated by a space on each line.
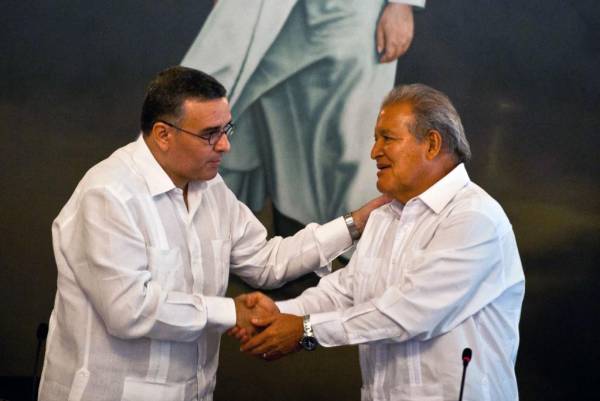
428 279
139 307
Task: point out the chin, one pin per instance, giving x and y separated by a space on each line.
381 187
206 176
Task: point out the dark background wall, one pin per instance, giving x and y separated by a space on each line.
523 74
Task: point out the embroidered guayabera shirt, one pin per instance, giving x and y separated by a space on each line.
428 279
139 307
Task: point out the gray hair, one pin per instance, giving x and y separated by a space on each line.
433 111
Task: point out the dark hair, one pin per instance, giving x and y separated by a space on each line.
167 92
433 110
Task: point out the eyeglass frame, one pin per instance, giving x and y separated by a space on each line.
228 129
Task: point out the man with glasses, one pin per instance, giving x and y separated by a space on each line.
144 248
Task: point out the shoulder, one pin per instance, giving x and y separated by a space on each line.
475 201
115 174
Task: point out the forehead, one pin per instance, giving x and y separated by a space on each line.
203 113
395 115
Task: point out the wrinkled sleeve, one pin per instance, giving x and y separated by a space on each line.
455 276
109 260
334 292
269 264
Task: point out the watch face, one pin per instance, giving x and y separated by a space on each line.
309 343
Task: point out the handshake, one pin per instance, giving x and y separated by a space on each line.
262 330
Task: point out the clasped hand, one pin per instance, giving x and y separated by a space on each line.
262 330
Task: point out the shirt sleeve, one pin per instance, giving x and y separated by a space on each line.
108 258
418 3
334 292
269 264
457 274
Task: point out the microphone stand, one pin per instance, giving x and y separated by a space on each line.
41 334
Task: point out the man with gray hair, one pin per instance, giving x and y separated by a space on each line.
436 271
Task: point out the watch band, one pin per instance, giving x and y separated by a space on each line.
307 327
308 341
354 233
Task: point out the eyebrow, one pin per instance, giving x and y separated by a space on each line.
382 132
209 130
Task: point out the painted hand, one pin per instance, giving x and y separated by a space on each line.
394 31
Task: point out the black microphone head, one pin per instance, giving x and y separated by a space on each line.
466 355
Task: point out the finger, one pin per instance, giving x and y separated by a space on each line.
390 51
241 336
272 356
254 342
379 39
235 331
382 200
401 48
253 298
264 348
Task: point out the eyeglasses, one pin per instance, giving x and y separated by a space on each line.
212 136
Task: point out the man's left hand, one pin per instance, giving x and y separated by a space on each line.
281 337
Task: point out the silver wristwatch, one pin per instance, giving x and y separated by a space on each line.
354 233
308 341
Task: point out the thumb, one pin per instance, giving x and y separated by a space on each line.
382 200
263 320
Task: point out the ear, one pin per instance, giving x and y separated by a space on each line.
434 144
161 135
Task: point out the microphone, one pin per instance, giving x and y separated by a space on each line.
466 358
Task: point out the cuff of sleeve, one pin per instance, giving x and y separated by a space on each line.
291 307
328 329
418 3
220 313
334 238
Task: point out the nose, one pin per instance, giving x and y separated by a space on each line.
223 145
376 149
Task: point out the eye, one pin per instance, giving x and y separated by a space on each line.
387 138
210 134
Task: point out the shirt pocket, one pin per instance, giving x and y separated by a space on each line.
165 265
368 283
424 392
136 389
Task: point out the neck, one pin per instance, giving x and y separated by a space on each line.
443 165
158 156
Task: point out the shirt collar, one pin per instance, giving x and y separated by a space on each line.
439 194
156 178
396 207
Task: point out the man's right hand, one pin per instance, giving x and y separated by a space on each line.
361 215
